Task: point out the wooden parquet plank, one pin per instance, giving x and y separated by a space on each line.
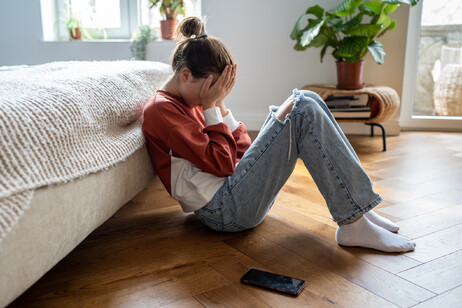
393 263
238 266
143 289
424 205
295 205
431 222
299 203
320 281
399 179
439 275
160 255
422 190
151 254
449 299
230 296
187 302
438 244
343 263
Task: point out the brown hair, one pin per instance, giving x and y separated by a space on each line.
200 53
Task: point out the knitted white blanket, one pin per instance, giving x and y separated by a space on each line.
64 120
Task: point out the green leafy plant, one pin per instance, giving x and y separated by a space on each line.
351 29
69 18
140 38
72 24
169 9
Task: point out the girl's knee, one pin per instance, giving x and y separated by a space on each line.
315 96
307 104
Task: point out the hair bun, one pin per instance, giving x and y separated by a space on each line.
190 27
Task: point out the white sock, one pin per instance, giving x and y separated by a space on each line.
364 233
381 221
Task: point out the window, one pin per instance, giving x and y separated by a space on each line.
102 19
434 43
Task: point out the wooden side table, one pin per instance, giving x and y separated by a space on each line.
387 98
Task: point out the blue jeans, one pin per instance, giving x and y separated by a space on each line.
308 132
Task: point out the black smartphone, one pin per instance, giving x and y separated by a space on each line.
272 281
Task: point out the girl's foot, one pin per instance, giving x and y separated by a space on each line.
381 221
364 233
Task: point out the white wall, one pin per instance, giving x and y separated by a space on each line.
256 32
21 40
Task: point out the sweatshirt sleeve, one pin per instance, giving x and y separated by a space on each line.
239 132
212 148
242 139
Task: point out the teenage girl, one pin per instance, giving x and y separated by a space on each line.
206 161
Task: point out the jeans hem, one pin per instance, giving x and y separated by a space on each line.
361 212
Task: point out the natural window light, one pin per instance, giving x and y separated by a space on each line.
98 14
442 12
102 19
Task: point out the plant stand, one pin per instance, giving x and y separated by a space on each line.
386 97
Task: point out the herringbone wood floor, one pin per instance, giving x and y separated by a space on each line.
151 254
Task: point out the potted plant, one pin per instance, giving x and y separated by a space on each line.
72 22
140 38
73 25
351 29
169 9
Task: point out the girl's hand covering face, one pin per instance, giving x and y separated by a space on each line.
212 94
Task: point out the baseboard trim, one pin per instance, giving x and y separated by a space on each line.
252 122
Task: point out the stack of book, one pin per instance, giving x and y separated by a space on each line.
349 106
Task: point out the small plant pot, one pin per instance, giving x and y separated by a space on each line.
167 28
77 35
350 75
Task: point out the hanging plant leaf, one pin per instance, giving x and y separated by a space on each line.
376 50
316 11
299 47
384 21
352 23
410 2
319 40
389 8
365 10
351 45
335 23
323 52
296 31
346 8
312 31
390 27
364 30
375 6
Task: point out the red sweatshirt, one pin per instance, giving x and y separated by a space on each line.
191 149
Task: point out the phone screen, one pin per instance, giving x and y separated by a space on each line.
273 281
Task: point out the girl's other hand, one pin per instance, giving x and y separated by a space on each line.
221 103
211 95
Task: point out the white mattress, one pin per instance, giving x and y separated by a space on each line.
61 216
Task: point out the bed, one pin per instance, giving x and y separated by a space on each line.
71 154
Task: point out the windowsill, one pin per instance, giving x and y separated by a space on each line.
124 41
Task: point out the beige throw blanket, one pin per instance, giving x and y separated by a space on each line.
64 120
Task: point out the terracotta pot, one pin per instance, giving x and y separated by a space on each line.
167 27
77 36
350 75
